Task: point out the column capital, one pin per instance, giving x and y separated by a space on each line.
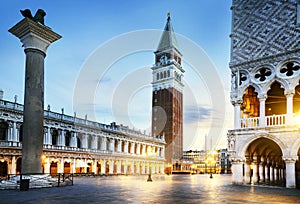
289 93
262 97
291 159
34 35
237 102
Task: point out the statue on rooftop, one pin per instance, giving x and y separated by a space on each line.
38 17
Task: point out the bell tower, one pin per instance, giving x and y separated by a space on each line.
167 100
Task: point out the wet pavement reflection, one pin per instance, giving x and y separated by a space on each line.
163 189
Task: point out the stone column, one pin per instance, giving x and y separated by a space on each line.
137 166
61 166
261 172
10 131
48 137
103 144
73 141
262 107
119 145
94 170
45 135
271 173
35 39
237 171
103 167
247 175
119 164
132 148
125 146
255 172
85 141
290 173
15 132
95 142
289 108
47 166
13 168
111 144
111 167
143 149
267 173
138 149
237 114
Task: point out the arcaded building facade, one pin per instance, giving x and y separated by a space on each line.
75 145
265 68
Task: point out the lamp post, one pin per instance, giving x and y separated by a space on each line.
150 154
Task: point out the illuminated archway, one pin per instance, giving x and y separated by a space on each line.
264 163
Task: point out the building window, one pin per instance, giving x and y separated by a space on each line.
3 130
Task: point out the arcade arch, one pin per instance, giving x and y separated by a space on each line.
264 163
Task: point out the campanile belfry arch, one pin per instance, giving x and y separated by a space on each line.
265 70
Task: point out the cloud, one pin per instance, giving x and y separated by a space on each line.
196 113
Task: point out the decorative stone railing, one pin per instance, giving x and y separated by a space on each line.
270 121
4 143
119 129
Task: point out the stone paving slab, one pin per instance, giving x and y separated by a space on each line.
163 189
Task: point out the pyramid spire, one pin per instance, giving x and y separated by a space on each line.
168 38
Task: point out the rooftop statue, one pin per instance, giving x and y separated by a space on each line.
38 17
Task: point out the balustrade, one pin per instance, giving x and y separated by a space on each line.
270 121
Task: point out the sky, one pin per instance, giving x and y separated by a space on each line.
101 67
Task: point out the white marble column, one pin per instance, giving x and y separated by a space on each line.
271 173
73 141
262 107
13 168
143 149
119 146
247 175
84 141
267 173
132 167
111 167
48 138
94 170
276 173
119 165
95 142
10 131
112 144
61 166
103 144
125 146
47 166
237 114
237 171
261 172
290 173
45 140
255 172
132 148
137 167
15 132
103 167
138 149
289 108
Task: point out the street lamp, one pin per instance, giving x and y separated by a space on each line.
210 160
150 155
